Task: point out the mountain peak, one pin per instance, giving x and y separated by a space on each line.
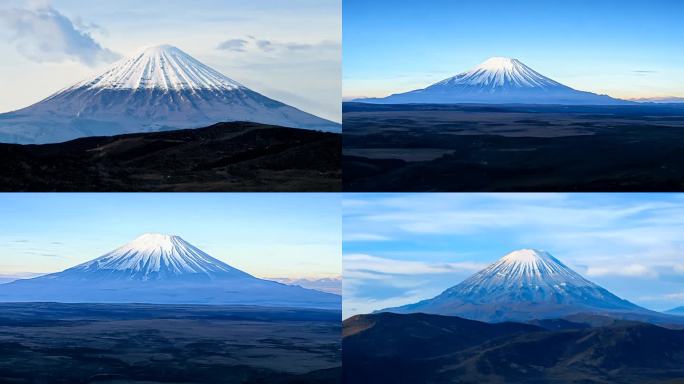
157 49
155 256
163 67
521 285
526 268
158 88
500 74
498 80
498 62
151 241
527 256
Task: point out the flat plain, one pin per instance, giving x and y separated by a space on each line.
146 343
430 147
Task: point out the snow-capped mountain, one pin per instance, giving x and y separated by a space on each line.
157 88
523 285
154 256
161 269
498 80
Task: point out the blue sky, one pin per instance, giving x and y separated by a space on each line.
291 50
268 235
401 248
624 48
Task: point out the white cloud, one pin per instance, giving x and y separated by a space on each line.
675 296
364 237
442 215
351 305
42 34
378 265
251 43
630 270
396 282
235 45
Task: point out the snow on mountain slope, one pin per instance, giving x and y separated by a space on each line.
523 285
165 67
500 72
529 275
157 88
498 80
161 269
155 256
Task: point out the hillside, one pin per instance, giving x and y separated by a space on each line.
236 156
392 348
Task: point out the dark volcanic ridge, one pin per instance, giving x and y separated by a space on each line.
237 156
396 348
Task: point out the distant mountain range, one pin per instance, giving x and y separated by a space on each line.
161 269
498 80
157 88
660 100
326 284
676 311
7 278
526 285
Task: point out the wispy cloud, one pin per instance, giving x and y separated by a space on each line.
373 282
382 266
364 237
675 296
235 45
252 43
43 34
630 270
